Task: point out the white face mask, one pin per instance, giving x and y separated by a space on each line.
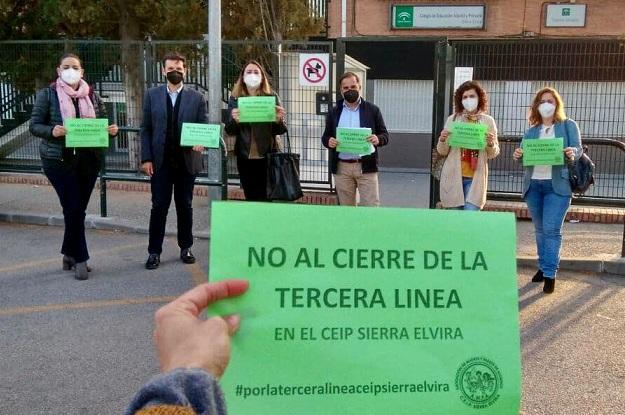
252 80
70 76
546 109
469 104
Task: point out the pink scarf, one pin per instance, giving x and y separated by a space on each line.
66 93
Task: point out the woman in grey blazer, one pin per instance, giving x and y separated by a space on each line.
546 188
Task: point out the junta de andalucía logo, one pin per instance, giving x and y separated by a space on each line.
479 381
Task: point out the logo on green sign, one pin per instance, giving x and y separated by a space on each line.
478 380
404 16
566 11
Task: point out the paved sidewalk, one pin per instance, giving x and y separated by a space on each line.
587 246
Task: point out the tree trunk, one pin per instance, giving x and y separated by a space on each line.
133 63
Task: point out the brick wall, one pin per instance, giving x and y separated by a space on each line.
503 18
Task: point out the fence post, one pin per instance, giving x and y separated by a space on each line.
444 67
103 211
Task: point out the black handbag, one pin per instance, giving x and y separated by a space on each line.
581 173
283 174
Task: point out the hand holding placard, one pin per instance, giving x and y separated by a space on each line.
543 152
354 141
468 135
257 109
206 135
86 132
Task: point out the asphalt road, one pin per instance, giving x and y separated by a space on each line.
84 347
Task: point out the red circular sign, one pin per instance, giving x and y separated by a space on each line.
314 70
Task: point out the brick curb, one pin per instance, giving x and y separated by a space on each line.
612 266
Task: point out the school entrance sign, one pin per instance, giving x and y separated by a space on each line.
365 310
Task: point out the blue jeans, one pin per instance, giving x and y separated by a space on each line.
466 186
548 210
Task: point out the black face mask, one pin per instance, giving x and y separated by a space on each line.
351 96
174 77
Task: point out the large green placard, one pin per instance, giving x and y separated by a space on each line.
416 313
468 135
543 152
194 134
257 109
86 132
353 140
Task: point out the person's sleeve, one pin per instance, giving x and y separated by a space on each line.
442 148
184 389
380 129
232 127
202 111
145 130
329 128
38 126
575 140
279 127
492 152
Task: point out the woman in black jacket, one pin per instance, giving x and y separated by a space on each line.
72 171
253 140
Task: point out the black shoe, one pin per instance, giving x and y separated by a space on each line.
154 260
550 284
81 271
69 263
539 276
187 256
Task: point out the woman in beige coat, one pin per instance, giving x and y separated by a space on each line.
464 175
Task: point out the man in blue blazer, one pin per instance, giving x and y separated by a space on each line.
170 166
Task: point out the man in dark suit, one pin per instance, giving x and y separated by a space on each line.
165 109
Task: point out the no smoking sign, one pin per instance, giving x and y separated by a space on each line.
313 69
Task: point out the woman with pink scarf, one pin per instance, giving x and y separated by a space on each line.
71 171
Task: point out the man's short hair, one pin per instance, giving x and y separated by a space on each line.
174 56
349 75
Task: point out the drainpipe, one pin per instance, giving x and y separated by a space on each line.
343 18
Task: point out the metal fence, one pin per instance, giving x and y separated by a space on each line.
590 76
121 73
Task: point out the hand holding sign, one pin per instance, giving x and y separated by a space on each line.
197 134
319 297
257 109
87 132
543 152
468 135
354 140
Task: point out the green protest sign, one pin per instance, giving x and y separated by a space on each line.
257 109
353 140
468 135
543 152
207 135
86 132
416 316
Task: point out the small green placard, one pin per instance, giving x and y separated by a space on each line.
257 109
354 141
86 132
468 135
194 134
543 152
414 318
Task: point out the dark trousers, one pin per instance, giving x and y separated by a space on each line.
163 181
253 175
73 181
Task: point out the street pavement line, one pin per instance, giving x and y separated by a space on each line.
84 305
198 276
31 264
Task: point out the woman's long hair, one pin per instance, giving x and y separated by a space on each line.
240 89
534 116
